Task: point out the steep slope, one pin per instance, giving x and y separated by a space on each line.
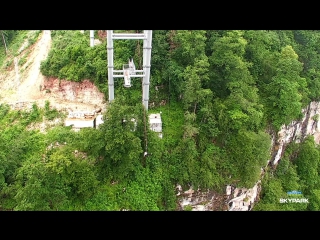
23 85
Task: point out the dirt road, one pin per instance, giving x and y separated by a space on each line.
29 88
25 86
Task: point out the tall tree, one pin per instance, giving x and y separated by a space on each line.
123 148
307 162
4 35
59 177
248 152
287 89
195 76
262 51
188 47
232 82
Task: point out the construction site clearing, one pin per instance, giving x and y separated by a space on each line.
80 120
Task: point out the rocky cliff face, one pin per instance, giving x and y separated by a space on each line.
79 95
84 91
241 199
298 130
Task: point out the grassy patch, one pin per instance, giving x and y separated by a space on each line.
172 117
33 37
22 60
51 113
15 45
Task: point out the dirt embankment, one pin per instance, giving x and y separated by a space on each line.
25 84
72 96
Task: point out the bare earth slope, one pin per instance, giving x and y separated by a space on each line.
22 88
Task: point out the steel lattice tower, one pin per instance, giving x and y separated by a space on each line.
145 73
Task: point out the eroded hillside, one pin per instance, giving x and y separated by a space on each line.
22 85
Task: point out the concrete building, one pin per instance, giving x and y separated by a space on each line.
156 123
82 120
78 123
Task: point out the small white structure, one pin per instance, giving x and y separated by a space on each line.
126 73
128 69
80 120
79 123
156 123
99 120
228 190
132 67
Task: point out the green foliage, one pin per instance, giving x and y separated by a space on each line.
17 146
248 151
7 36
188 208
50 183
221 87
35 114
314 200
125 149
287 89
50 113
272 193
4 109
288 175
13 41
189 160
22 60
160 49
172 117
72 58
34 37
188 50
90 141
104 199
144 192
195 77
307 163
233 82
60 134
227 52
210 176
191 45
38 189
313 81
297 171
315 118
77 171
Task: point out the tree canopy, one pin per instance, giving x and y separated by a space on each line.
219 93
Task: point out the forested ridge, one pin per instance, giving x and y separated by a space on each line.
222 93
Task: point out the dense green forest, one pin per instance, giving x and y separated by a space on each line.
225 91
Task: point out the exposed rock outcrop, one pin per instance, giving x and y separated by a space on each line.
296 131
241 199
